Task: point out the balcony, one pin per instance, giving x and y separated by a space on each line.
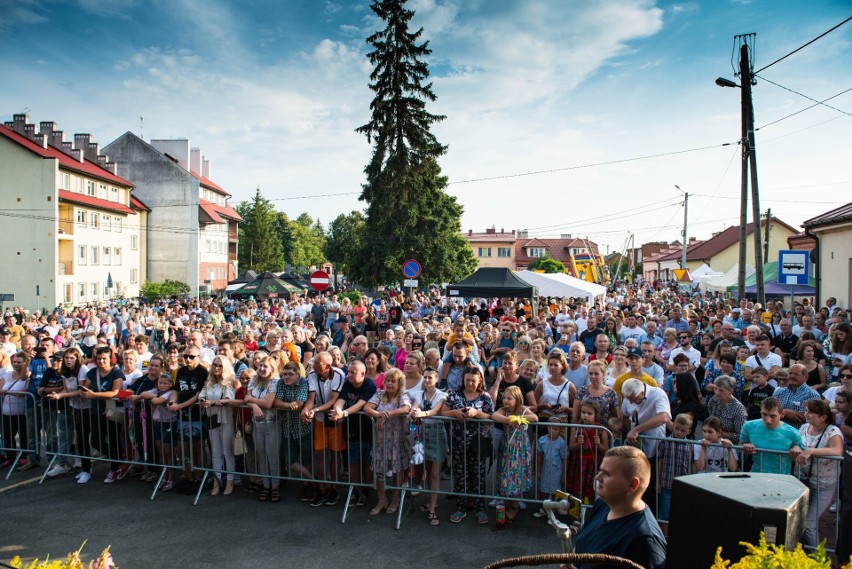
66 222
64 268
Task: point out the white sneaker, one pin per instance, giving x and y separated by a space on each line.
540 514
78 463
492 503
77 477
83 478
58 470
416 489
111 477
833 508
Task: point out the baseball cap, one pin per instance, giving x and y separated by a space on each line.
635 352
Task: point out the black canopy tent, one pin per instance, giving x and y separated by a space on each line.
245 277
491 282
264 287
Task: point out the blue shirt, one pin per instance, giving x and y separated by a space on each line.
794 398
782 438
636 537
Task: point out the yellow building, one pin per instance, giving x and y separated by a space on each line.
493 248
833 232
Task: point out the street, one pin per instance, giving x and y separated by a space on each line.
238 531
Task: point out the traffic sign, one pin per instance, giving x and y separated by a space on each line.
793 267
320 280
411 283
411 269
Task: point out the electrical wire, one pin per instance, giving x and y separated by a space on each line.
806 97
803 46
818 103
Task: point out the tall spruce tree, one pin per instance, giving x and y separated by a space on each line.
409 215
259 248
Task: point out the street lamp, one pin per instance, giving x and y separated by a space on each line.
685 238
749 158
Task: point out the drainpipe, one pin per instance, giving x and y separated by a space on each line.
818 272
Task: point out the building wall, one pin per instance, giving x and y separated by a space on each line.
836 264
494 260
172 195
726 259
30 224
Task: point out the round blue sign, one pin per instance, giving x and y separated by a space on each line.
411 269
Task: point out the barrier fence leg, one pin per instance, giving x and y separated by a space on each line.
346 509
201 487
15 464
46 470
399 509
157 484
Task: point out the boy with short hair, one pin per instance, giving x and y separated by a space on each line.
674 458
760 390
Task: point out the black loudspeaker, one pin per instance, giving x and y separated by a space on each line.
712 510
844 534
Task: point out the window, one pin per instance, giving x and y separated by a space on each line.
81 291
106 290
81 217
95 221
82 255
134 242
113 194
90 190
535 252
95 290
77 184
116 224
504 251
102 191
134 276
116 256
68 293
208 245
484 252
107 223
96 255
107 259
64 181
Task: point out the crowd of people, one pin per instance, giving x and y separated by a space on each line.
407 392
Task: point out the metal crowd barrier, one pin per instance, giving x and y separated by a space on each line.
822 492
18 430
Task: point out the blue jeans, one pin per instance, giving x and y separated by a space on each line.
57 426
665 504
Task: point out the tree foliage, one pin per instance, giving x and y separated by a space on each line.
260 247
163 289
547 264
344 240
409 215
308 242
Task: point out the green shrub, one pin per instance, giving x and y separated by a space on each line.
764 556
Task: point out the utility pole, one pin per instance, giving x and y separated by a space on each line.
748 109
685 237
768 227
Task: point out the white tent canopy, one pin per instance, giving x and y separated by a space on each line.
720 283
560 285
233 287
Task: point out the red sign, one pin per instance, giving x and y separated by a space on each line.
320 280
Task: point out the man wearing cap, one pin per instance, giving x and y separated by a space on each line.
635 359
5 343
736 319
342 335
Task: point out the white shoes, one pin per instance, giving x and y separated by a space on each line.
83 477
58 470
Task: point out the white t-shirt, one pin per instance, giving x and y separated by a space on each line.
324 389
693 355
771 360
656 402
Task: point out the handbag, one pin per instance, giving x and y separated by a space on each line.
239 444
114 411
804 477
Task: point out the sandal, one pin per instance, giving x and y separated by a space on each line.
275 496
481 518
393 507
168 486
511 514
264 495
432 517
457 516
378 509
424 507
253 488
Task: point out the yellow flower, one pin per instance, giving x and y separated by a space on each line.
518 420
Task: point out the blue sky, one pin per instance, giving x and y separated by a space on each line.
272 93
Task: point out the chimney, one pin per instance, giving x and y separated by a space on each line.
77 155
111 166
195 161
565 236
502 230
205 167
47 128
523 233
491 230
91 151
513 232
102 160
81 143
29 131
469 232
693 240
57 138
67 147
18 122
41 139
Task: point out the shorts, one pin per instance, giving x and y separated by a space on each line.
297 451
434 442
192 430
330 438
359 451
165 433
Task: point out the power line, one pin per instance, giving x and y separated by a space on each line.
818 103
592 164
808 98
803 46
771 200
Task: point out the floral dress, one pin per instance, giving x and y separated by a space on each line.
471 447
608 402
389 454
513 461
583 466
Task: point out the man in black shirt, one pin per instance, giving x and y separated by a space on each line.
785 342
591 333
190 381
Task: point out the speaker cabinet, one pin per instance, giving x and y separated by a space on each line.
712 510
844 535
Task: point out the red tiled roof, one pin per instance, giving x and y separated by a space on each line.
208 214
559 249
706 250
219 211
210 185
83 199
838 215
136 203
490 237
65 161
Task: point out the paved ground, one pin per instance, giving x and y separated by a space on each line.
237 531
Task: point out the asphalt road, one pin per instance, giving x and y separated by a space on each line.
238 531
